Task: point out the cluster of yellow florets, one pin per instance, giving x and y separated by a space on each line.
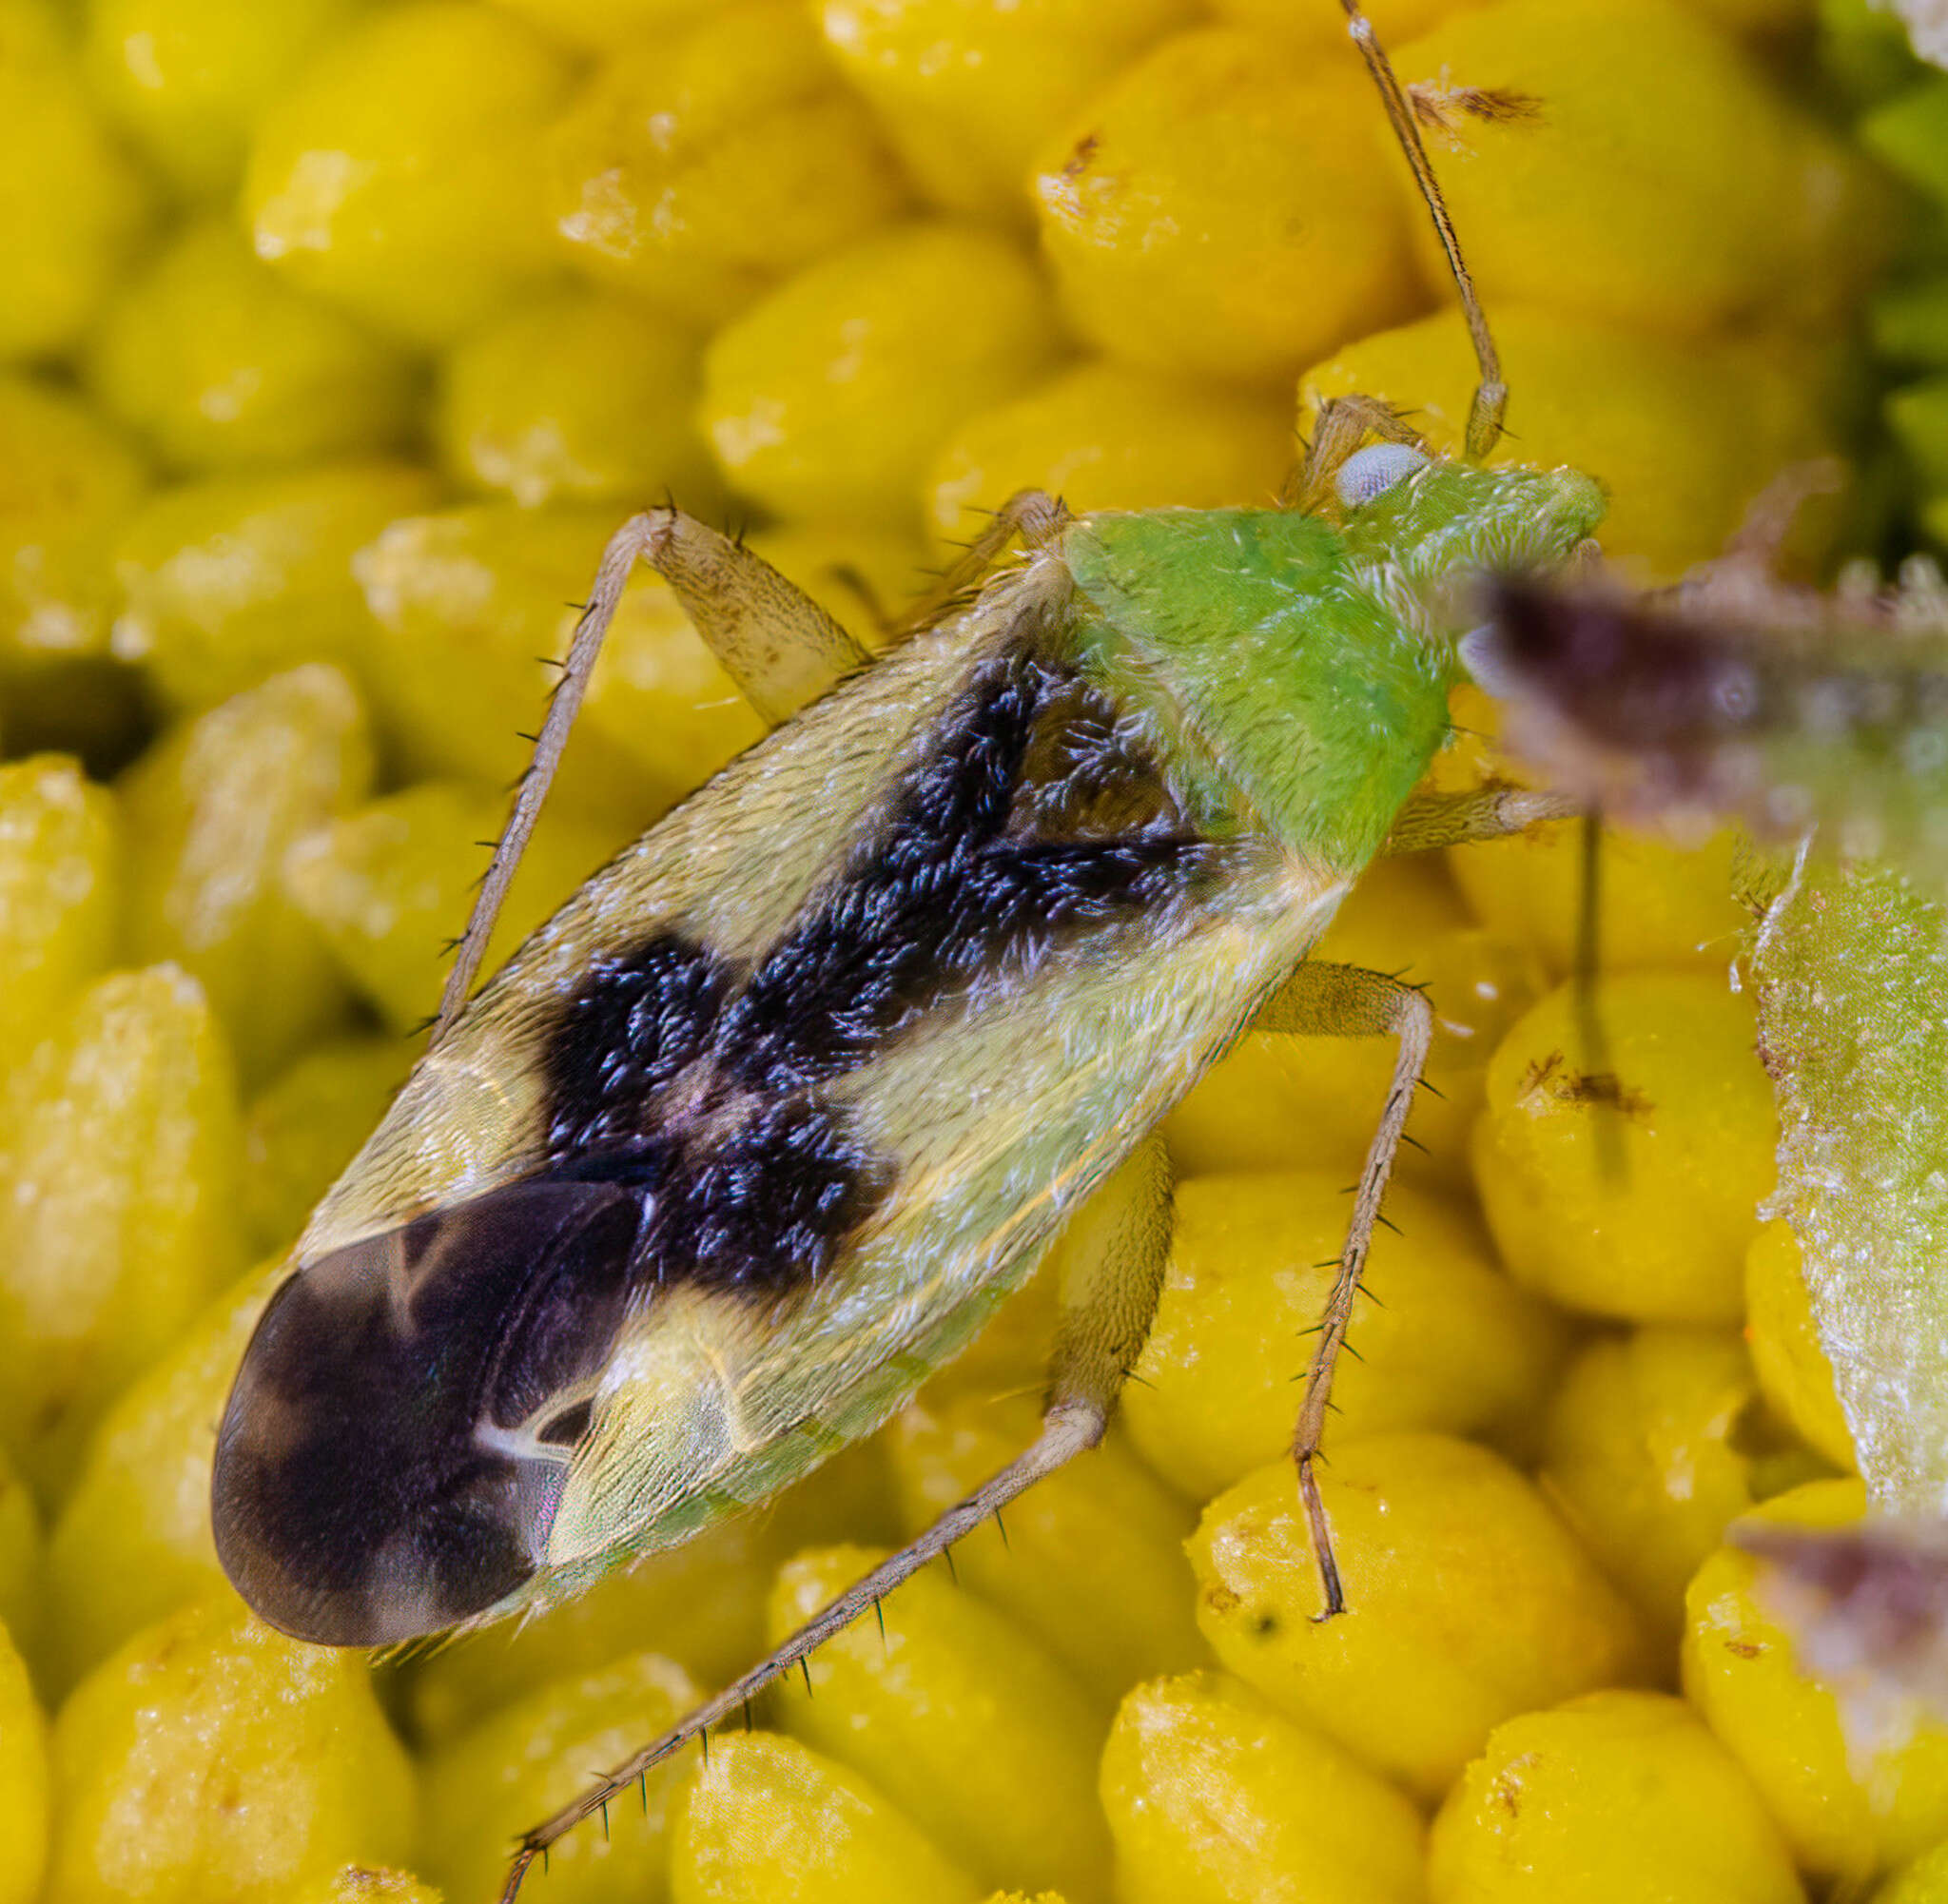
341 336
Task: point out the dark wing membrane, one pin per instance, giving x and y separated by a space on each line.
399 1434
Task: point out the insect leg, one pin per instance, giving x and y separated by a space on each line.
774 641
1346 1002
1032 513
1343 424
1111 1271
618 558
1431 819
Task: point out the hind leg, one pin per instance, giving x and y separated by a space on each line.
774 641
1110 1270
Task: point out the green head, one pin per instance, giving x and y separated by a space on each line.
1302 663
1427 520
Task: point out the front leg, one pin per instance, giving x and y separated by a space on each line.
1037 517
1327 1001
1343 423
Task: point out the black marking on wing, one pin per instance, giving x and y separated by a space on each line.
634 1025
960 881
1031 819
740 1192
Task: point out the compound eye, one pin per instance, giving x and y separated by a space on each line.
1374 470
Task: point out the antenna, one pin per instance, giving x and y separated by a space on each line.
1491 394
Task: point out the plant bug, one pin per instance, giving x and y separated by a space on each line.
760 1129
